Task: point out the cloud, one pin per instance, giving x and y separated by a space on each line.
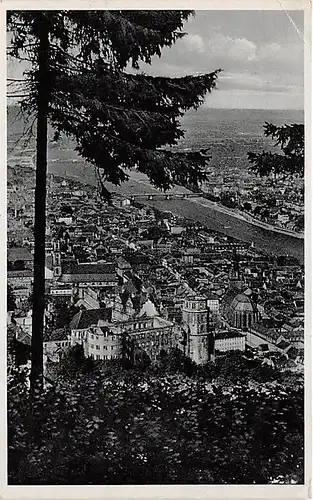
284 57
233 53
270 51
194 43
242 49
261 55
237 49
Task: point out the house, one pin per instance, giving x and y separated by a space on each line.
25 322
283 218
19 258
283 345
188 255
68 220
55 344
231 340
101 343
121 202
21 283
61 290
103 333
122 266
79 193
127 304
90 299
49 274
176 229
101 275
85 319
213 303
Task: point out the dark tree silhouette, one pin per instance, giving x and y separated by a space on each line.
120 120
290 138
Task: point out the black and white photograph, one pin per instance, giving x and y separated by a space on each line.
156 166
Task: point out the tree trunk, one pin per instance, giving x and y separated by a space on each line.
36 376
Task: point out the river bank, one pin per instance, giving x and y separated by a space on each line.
215 217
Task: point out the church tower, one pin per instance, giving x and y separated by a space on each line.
195 316
56 259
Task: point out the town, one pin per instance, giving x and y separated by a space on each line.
125 279
278 202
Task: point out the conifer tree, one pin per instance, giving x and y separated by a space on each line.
290 139
82 80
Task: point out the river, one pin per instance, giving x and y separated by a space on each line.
264 239
211 216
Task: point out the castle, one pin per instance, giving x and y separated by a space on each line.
195 323
104 338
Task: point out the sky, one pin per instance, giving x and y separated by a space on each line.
261 54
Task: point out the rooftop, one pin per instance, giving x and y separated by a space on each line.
88 268
55 335
231 334
86 318
19 253
82 277
20 274
238 301
148 309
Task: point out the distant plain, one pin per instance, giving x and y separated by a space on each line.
229 134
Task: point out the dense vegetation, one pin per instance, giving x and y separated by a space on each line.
108 424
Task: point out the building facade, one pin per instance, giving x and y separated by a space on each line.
195 318
229 341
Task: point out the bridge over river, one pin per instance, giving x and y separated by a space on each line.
161 196
183 203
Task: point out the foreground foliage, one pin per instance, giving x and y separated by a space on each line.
141 428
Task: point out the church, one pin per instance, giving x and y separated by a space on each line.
239 309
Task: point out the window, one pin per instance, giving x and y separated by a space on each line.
97 356
92 337
112 347
97 347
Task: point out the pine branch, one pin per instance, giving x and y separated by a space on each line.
164 168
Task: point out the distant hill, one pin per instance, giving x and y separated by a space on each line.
63 160
229 135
